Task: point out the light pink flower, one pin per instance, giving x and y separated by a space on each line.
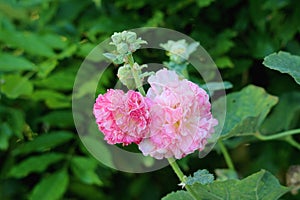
122 118
181 120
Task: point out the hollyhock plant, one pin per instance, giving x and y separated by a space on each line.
122 118
181 121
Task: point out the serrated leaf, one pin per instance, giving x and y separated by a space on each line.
51 187
9 63
14 85
259 186
201 176
84 169
285 63
179 195
34 164
246 110
44 142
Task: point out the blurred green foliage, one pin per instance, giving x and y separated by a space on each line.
43 43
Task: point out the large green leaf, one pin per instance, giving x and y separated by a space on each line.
259 186
44 142
289 104
179 195
14 85
246 110
285 63
34 164
84 169
51 187
10 63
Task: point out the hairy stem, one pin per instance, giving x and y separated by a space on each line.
226 155
182 177
136 77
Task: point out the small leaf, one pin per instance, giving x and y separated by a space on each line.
51 187
201 176
204 3
84 169
15 85
179 195
246 110
46 67
285 63
5 134
9 63
34 164
44 142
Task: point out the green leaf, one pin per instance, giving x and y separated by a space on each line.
84 169
5 134
61 118
204 3
34 164
14 118
259 186
9 63
52 98
63 80
201 176
179 195
27 41
44 142
51 187
290 106
46 67
224 62
285 63
14 85
246 110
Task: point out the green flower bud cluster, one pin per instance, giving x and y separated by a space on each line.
126 43
126 76
179 51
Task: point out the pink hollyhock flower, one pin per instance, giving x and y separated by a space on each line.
122 118
181 120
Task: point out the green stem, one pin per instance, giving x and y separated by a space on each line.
136 77
276 136
182 177
292 142
226 155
